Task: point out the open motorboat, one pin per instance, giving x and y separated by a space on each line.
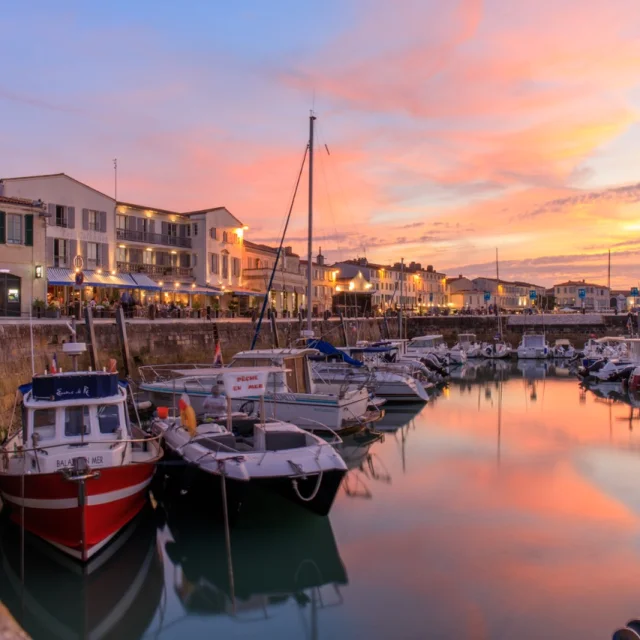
422 346
347 366
468 343
78 471
248 454
563 349
432 369
533 346
292 395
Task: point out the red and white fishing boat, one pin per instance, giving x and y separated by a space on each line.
78 471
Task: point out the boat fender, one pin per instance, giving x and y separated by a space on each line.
187 415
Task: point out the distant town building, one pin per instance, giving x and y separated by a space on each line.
595 296
398 286
324 281
22 255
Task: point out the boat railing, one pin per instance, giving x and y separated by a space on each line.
323 427
19 451
161 372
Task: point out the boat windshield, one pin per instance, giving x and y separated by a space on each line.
296 375
76 421
108 418
533 341
44 423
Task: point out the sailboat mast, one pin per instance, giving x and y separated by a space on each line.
310 238
497 295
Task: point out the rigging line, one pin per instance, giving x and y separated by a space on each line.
326 186
275 266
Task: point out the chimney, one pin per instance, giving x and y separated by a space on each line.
460 275
320 258
1 188
430 268
362 262
288 251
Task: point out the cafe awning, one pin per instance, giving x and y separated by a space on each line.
67 277
145 282
241 291
187 288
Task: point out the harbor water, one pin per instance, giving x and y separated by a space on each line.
506 507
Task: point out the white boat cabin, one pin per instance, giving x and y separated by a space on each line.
467 339
295 369
426 343
533 341
66 415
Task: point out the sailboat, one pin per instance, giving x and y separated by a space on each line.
498 348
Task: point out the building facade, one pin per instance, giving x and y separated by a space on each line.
511 296
23 280
324 283
596 298
287 296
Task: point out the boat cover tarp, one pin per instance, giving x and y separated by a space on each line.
328 349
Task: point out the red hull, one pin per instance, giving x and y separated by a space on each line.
53 511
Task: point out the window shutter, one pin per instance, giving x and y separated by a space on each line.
104 254
152 226
3 227
83 252
73 251
85 219
71 217
103 221
140 224
28 230
48 252
165 228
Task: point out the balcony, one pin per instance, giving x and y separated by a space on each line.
153 238
155 269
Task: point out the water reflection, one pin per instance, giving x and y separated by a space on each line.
115 596
280 556
508 507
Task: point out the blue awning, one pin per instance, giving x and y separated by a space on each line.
187 288
328 349
67 277
145 282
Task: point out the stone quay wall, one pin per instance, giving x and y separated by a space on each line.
192 341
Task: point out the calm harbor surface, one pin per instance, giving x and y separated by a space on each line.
508 506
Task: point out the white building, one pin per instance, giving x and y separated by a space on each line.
22 255
596 296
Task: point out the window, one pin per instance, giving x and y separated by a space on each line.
14 228
44 423
225 236
213 232
121 222
121 254
94 220
315 274
92 254
61 216
235 265
215 263
194 229
76 421
172 229
315 292
225 266
108 418
60 253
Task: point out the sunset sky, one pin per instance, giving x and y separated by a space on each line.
453 127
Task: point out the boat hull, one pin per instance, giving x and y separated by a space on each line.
52 507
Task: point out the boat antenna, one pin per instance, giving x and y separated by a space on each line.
309 332
279 252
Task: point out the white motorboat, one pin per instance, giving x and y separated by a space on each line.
381 381
292 395
613 370
563 349
252 453
422 346
468 342
533 346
